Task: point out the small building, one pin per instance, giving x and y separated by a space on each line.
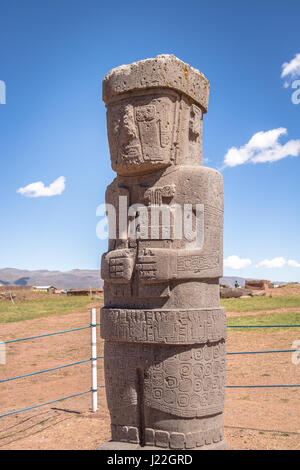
50 289
93 291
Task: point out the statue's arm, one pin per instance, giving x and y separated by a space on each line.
117 264
160 265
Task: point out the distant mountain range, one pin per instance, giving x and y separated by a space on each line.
230 281
75 279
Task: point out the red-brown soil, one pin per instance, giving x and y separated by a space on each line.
254 418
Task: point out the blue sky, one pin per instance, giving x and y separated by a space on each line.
53 57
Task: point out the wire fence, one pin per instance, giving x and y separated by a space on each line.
93 360
263 326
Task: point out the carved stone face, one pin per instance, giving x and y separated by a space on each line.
142 133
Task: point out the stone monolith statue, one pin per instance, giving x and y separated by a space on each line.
162 323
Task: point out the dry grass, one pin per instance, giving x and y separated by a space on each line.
36 305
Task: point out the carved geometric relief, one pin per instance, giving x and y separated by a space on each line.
185 381
197 263
172 440
163 326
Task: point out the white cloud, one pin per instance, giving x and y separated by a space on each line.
263 147
272 263
235 262
293 263
38 189
278 262
291 69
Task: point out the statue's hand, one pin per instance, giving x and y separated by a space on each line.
155 265
117 266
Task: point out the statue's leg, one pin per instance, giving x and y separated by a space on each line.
184 396
121 363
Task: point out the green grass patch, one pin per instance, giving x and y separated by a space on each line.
42 307
254 304
285 318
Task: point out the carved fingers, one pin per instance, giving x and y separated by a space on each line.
117 266
155 265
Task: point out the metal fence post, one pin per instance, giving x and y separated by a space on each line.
94 388
2 353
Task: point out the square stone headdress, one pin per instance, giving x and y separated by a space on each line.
163 71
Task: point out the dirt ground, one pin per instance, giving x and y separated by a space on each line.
267 418
284 290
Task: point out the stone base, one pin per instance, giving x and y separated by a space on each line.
115 445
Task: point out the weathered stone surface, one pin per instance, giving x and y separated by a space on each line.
162 323
164 71
164 326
